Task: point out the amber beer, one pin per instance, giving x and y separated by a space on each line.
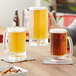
58 47
58 42
38 25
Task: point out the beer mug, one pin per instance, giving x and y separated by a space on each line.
14 43
38 26
58 44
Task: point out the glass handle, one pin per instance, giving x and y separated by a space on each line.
71 46
5 40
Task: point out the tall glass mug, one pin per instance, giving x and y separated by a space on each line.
58 44
38 26
16 37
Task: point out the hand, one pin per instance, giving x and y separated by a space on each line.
52 22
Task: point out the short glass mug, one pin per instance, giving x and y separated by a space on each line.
38 26
16 37
58 44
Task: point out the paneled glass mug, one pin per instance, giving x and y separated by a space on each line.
16 37
58 44
38 26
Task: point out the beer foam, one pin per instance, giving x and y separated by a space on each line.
58 31
38 8
16 29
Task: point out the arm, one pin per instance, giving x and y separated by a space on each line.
71 29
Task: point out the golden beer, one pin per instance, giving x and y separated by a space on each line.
15 46
39 24
16 42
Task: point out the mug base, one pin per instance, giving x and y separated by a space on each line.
58 57
67 60
17 57
43 42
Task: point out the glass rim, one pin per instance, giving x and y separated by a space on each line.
16 29
37 8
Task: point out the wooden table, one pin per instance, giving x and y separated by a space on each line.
37 68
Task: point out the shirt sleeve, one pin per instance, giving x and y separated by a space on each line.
72 31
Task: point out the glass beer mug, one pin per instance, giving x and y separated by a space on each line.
38 26
16 37
58 47
58 44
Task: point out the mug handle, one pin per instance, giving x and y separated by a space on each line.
5 40
71 47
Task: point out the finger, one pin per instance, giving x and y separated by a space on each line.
49 14
49 23
49 19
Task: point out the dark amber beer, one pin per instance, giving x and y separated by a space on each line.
58 42
58 47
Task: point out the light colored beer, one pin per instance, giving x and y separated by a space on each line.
38 23
16 41
58 41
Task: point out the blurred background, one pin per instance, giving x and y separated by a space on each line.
7 9
62 10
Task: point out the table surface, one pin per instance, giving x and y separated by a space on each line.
37 68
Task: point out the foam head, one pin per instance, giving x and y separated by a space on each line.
16 29
38 8
58 31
